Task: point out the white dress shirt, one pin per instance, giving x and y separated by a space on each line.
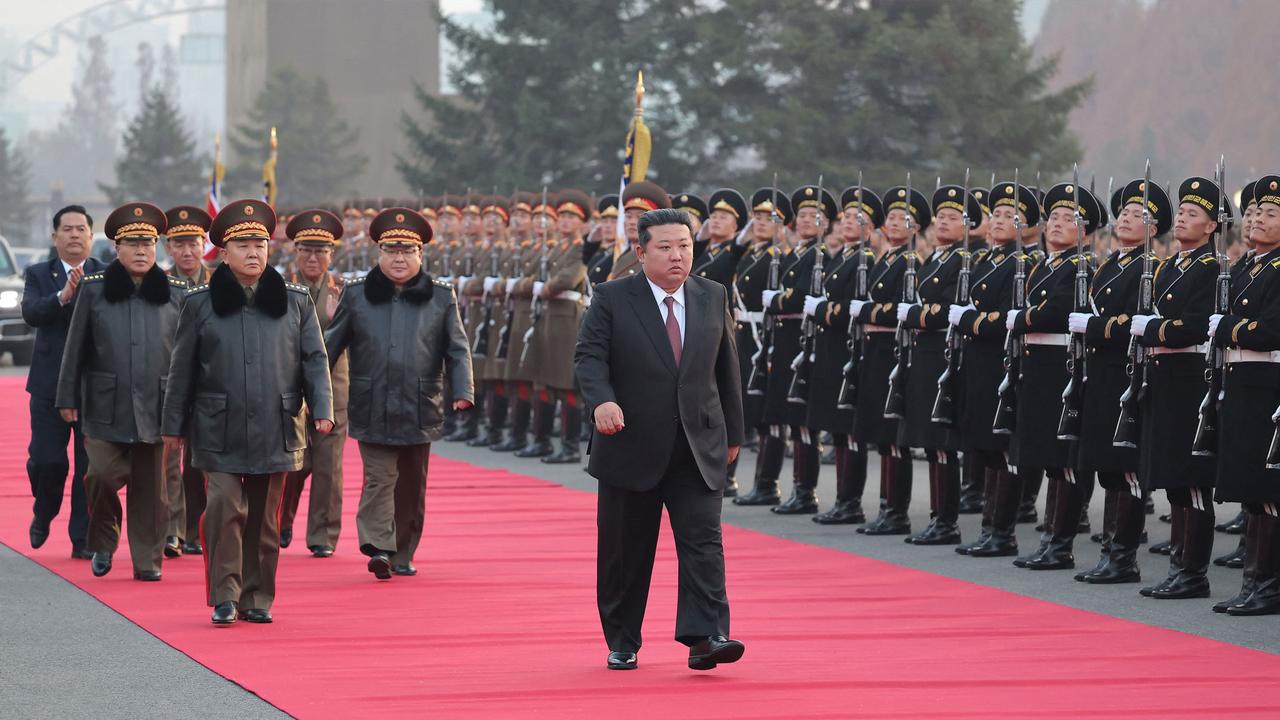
660 296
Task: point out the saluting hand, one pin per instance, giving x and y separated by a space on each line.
609 418
324 427
331 300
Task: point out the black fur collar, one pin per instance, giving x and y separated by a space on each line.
228 297
379 289
117 284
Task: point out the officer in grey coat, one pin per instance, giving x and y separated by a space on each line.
112 381
400 329
249 353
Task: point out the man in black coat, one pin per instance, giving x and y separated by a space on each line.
48 299
656 362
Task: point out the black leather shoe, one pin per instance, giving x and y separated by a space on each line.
1053 561
489 439
938 534
1037 554
1162 548
622 661
1114 573
1183 587
713 651
996 546
380 566
286 537
1264 600
536 449
983 536
321 551
1166 518
192 547
405 570
892 524
101 564
79 552
801 502
759 496
1150 590
731 488
173 546
511 444
255 615
844 512
224 614
564 456
38 532
147 575
1234 526
1027 513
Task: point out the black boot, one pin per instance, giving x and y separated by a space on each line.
896 520
1197 548
1003 541
1250 541
886 473
768 467
851 479
1265 598
988 512
944 529
519 437
570 438
495 421
805 467
1066 518
1234 526
1030 480
543 420
1109 498
1233 559
1087 484
1120 565
973 485
1050 506
1177 519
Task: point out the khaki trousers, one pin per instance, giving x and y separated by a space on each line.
323 462
393 502
241 535
185 486
137 467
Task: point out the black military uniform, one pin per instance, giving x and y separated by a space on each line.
982 370
846 281
937 285
114 368
598 258
696 207
786 307
879 318
720 261
771 208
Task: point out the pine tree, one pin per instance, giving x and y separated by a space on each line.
15 211
159 163
81 150
316 163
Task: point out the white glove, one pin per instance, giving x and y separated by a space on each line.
855 307
767 296
956 313
489 284
446 279
1078 322
1011 319
811 303
537 288
1213 325
903 309
511 283
1139 324
464 280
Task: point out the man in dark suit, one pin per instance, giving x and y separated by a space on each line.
656 361
47 301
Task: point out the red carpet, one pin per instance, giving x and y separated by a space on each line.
501 623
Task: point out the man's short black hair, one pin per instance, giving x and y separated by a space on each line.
663 216
57 217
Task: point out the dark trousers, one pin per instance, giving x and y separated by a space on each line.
627 524
47 468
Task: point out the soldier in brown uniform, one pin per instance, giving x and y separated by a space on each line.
473 254
536 269
487 288
113 369
316 234
517 376
638 198
184 241
554 338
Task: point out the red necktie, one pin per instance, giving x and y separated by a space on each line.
673 329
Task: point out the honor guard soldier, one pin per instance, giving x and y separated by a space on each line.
1114 299
1043 325
638 198
1247 471
1184 292
248 355
723 253
112 382
983 324
973 478
696 208
473 253
815 210
771 213
878 316
541 252
404 337
597 251
316 234
488 282
562 290
862 214
521 274
185 244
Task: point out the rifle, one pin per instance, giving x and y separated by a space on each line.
1073 394
1006 419
944 404
758 380
1128 426
802 365
1206 439
895 405
504 338
481 347
535 309
848 397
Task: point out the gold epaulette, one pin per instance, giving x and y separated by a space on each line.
1275 263
95 276
1208 259
354 281
175 281
198 288
442 283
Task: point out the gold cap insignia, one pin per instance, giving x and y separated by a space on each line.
1070 188
1142 186
951 192
137 212
1008 190
902 193
1273 184
182 214
808 192
399 217
315 218
248 209
1195 184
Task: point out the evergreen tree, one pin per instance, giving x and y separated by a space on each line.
80 151
159 163
316 162
15 171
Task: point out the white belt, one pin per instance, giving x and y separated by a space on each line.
1059 339
878 329
1238 356
748 316
572 295
1199 349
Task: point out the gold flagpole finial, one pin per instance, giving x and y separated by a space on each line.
273 138
639 90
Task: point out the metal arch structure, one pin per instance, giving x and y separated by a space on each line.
100 19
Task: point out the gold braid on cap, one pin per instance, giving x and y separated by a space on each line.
246 230
611 211
185 231
724 205
138 229
640 203
950 204
397 234
314 234
571 207
1203 202
429 213
497 210
450 209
